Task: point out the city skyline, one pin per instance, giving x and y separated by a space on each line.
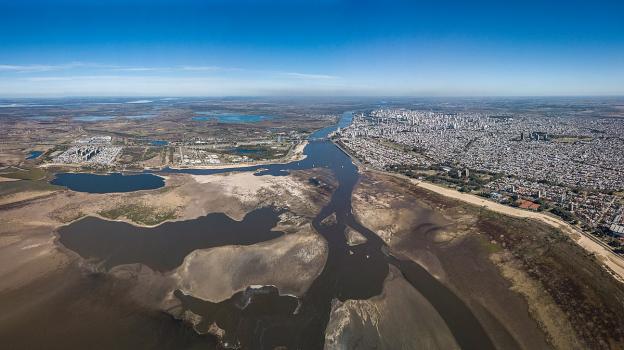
342 48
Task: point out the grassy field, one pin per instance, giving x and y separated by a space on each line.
27 174
139 213
12 187
151 152
587 294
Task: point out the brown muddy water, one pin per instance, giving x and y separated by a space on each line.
71 309
164 247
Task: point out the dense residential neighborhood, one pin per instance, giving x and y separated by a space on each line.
570 166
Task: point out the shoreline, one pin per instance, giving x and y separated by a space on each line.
614 263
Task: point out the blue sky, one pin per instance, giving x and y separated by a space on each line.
261 47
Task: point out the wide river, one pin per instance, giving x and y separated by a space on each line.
260 318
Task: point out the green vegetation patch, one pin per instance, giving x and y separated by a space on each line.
131 154
490 247
29 174
69 216
12 187
151 152
140 213
574 279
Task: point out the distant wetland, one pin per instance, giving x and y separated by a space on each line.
231 118
34 154
93 118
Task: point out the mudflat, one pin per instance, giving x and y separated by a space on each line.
529 284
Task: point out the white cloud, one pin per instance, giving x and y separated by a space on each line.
34 68
30 68
140 69
94 68
93 79
310 76
72 78
202 68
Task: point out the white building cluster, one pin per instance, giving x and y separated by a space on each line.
196 156
550 156
93 150
575 152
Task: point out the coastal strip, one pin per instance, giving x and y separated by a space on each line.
613 262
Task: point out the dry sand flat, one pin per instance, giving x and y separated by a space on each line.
26 254
182 195
354 237
382 322
11 154
291 191
189 196
297 152
41 281
525 280
441 242
30 255
610 259
7 179
291 263
385 212
23 196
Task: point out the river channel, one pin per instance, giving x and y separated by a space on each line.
259 317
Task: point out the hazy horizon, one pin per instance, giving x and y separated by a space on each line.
399 97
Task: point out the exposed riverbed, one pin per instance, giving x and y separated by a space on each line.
260 317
